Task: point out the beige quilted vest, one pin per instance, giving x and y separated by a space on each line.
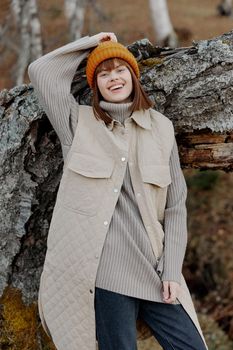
94 166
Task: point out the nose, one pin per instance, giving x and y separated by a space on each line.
113 75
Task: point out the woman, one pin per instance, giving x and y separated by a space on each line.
118 233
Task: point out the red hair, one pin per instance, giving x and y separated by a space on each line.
140 100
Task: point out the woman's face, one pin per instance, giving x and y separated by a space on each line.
115 85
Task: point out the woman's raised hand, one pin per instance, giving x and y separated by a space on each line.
105 37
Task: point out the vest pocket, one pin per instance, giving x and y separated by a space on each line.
156 179
158 175
85 182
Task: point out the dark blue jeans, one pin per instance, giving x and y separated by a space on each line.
116 316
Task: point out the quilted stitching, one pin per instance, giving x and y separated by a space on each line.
74 242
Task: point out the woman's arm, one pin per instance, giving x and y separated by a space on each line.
52 75
175 221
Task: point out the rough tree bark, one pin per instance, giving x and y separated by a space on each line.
192 86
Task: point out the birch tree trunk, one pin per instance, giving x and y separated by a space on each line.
225 8
75 13
192 86
164 32
26 16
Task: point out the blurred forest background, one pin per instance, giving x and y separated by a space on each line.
208 266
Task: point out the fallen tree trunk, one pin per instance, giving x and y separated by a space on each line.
192 86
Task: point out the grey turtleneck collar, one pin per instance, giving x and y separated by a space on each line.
118 111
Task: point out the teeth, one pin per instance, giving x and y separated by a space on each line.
116 87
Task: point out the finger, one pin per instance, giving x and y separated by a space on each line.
173 291
165 290
169 294
114 38
107 37
176 287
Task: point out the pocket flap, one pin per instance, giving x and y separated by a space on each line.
90 166
158 175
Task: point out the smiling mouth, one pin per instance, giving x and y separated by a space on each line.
116 87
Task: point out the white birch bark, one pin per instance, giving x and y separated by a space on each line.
36 41
225 8
28 24
75 12
161 21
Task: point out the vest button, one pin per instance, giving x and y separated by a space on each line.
115 190
123 159
139 194
105 223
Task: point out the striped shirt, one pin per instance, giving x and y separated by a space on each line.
128 264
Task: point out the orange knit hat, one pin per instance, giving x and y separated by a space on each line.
105 50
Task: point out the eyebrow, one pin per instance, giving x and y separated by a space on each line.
108 70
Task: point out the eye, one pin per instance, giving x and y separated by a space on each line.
122 69
103 74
